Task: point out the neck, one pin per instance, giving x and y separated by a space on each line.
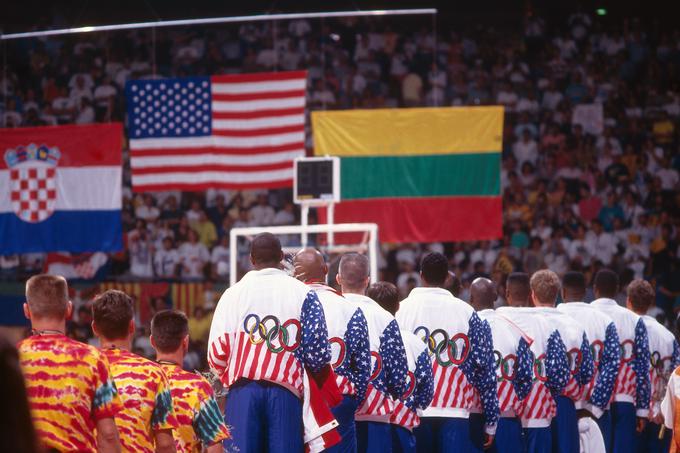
346 290
548 305
569 299
54 325
121 343
176 357
639 312
260 266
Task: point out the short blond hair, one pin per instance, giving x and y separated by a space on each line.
47 296
545 285
640 294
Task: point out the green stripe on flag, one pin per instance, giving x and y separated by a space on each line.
421 176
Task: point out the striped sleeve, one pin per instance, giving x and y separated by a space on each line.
482 376
525 370
424 391
556 364
641 368
359 353
587 366
608 370
314 350
395 363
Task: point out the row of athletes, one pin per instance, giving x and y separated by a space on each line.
434 373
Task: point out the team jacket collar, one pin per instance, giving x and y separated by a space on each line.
604 301
487 312
430 290
266 271
360 298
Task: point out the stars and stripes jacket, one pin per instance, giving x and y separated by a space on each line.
513 361
550 370
461 353
579 355
348 336
664 358
604 346
632 382
389 366
267 327
420 388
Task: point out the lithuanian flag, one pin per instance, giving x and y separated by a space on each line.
421 174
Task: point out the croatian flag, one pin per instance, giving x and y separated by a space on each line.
60 189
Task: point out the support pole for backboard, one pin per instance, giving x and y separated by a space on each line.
330 214
304 221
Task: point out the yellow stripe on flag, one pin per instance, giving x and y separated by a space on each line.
408 132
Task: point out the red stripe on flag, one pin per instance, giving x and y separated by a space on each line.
296 146
258 96
258 77
258 132
255 114
212 167
215 185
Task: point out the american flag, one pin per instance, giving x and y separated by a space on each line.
227 131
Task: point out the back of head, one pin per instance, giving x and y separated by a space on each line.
640 296
434 269
169 328
573 286
112 312
47 296
482 294
545 285
386 294
310 266
353 273
265 251
606 284
518 289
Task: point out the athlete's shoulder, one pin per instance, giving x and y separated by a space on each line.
654 327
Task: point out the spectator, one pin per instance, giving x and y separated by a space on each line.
166 260
262 214
220 259
147 211
193 257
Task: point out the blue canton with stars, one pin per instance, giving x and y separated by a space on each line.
422 394
587 365
524 374
169 107
641 366
357 364
556 364
392 379
315 350
479 368
608 368
676 355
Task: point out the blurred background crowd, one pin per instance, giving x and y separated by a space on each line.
590 161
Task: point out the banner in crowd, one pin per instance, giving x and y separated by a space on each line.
60 189
421 174
86 266
237 131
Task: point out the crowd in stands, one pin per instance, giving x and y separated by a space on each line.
590 161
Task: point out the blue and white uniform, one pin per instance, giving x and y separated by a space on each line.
351 359
388 379
551 375
266 330
631 394
462 360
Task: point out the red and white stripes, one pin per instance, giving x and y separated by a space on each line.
624 388
344 385
452 389
538 407
403 416
376 407
235 356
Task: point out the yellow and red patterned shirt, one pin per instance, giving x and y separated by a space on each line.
69 390
145 394
198 415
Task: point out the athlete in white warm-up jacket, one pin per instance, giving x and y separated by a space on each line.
514 364
462 361
348 336
266 330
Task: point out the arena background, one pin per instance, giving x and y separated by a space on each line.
570 200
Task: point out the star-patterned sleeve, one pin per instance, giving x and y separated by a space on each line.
587 367
357 366
641 368
608 369
676 355
314 350
556 364
479 368
524 375
163 416
424 391
394 362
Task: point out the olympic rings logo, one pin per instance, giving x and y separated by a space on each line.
269 329
506 366
574 358
341 351
376 361
539 368
596 349
447 350
411 379
661 364
627 351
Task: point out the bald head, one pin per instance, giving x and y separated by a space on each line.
265 251
353 273
482 294
309 266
